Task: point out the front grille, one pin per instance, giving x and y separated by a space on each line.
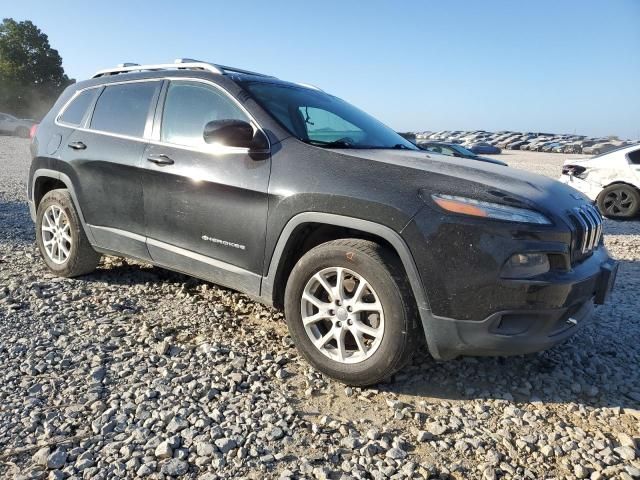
587 223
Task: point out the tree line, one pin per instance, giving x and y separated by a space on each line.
31 73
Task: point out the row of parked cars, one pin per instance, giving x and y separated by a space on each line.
483 142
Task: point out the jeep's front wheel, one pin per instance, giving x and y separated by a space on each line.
350 311
61 238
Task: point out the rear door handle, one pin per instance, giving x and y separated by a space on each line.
77 145
160 159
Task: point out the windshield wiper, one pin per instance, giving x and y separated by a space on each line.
333 144
397 146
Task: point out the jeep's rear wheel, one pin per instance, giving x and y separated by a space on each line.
61 238
350 311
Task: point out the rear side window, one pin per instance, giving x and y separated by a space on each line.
634 157
189 106
124 108
78 107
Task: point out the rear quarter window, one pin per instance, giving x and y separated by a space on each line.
634 157
124 108
76 110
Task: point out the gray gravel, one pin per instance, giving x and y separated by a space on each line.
134 372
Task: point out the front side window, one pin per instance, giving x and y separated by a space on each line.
320 119
75 112
634 157
189 106
124 108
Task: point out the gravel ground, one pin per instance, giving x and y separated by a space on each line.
134 371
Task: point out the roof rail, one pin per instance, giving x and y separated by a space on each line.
179 63
224 68
126 68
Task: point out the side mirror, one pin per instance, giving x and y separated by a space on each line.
234 133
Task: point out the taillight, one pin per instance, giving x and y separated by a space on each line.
33 130
573 170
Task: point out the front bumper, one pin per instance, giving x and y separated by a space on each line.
526 330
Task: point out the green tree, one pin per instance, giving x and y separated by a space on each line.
31 73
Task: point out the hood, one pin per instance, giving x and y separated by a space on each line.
477 179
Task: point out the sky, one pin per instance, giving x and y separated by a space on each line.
553 66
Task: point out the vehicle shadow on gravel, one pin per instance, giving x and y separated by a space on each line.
120 271
15 222
590 369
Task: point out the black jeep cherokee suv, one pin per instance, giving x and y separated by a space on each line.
293 196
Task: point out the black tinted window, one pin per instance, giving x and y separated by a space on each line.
189 107
634 157
123 108
74 113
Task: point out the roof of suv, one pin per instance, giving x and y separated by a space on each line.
185 67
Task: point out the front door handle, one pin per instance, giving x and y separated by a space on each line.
160 159
77 145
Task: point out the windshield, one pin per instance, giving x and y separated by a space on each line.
321 119
463 150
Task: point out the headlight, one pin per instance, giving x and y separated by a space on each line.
526 265
477 208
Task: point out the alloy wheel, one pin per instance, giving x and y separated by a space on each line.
618 202
56 234
342 315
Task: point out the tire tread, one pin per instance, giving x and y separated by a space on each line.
412 331
86 259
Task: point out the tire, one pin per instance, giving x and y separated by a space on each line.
80 258
377 357
22 132
619 201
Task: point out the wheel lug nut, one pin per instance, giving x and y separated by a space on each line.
338 302
332 312
349 309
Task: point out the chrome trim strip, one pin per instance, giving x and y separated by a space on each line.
592 227
585 229
198 257
122 233
591 214
160 66
173 249
102 85
600 223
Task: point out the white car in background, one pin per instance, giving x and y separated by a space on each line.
20 127
612 180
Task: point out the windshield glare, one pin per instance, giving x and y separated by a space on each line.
464 151
321 119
